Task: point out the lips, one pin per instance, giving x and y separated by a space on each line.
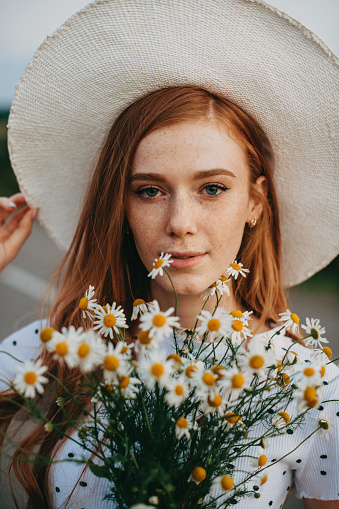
185 259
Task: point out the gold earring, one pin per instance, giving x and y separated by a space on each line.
252 223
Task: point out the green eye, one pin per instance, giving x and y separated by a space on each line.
151 192
212 190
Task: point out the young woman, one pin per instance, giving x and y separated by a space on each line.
183 170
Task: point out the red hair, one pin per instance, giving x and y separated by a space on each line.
101 254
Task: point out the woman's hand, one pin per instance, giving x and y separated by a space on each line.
17 230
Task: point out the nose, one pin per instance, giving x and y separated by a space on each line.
182 217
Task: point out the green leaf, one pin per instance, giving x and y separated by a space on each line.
99 471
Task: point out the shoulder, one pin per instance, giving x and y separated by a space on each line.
22 345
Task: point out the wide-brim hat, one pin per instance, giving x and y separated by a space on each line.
113 52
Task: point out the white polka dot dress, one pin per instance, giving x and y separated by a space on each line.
313 466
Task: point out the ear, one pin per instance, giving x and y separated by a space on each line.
258 191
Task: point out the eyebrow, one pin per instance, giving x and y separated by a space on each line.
197 176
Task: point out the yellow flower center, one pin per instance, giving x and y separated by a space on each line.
238 381
158 264
295 318
138 302
232 417
30 378
213 285
236 313
313 403
294 353
227 483
109 321
223 279
157 370
190 370
256 362
46 334
264 479
83 304
235 266
104 308
309 371
327 351
262 460
124 382
314 333
208 379
279 366
285 379
237 325
175 357
179 390
159 320
322 371
61 349
310 394
182 423
124 349
215 402
111 363
285 416
213 324
83 350
144 338
199 474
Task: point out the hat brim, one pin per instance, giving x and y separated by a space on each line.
114 51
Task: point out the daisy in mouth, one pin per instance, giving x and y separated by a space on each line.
159 264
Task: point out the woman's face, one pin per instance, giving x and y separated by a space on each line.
189 195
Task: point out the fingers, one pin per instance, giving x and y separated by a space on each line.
19 234
10 205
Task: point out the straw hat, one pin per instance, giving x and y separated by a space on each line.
112 52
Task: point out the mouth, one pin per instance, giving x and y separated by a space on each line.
185 259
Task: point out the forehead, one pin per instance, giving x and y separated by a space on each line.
189 147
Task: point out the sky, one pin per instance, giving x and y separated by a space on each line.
24 24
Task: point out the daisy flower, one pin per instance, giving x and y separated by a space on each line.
198 475
310 372
216 325
158 323
307 396
239 329
315 332
291 321
223 482
233 420
257 359
260 459
29 378
87 303
159 264
139 307
326 426
281 420
128 386
235 381
109 319
154 369
64 344
235 269
182 427
90 351
221 286
114 362
214 403
178 391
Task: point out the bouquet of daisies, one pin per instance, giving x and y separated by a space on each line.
173 418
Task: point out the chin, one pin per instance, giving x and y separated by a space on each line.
190 286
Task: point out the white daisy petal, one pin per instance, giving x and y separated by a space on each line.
159 264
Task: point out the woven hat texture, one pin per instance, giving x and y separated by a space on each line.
113 52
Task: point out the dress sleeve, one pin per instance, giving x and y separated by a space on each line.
319 477
23 344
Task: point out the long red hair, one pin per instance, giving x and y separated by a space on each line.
103 255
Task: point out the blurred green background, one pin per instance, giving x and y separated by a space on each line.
325 281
